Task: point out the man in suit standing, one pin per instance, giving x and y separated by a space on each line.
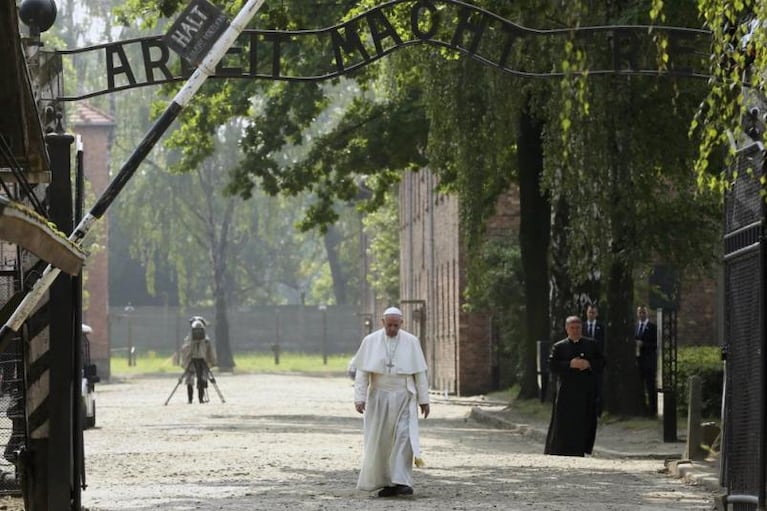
595 330
646 338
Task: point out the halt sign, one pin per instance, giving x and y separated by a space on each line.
196 30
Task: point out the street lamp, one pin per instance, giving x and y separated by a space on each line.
324 310
128 310
276 345
367 321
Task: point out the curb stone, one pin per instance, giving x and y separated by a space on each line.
691 472
701 473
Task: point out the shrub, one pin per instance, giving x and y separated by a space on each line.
705 362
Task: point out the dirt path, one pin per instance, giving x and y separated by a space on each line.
293 443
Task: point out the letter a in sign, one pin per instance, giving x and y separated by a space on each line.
196 30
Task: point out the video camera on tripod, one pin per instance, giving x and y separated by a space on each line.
197 356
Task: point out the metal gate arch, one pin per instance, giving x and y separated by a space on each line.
471 34
449 24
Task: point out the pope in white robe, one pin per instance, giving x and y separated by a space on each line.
389 386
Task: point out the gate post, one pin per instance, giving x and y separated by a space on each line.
668 321
664 297
61 486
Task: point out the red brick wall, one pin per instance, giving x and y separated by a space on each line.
429 247
698 317
476 367
95 130
457 344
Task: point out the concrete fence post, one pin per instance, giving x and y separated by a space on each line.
693 450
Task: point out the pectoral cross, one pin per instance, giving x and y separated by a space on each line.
391 350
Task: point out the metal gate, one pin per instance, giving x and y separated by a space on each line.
743 456
12 421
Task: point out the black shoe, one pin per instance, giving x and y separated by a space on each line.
404 490
388 491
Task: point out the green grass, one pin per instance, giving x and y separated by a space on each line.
534 409
158 363
530 407
504 395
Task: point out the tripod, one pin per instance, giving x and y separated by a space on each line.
190 370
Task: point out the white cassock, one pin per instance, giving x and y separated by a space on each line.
391 380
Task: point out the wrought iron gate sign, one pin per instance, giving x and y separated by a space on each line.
195 30
448 24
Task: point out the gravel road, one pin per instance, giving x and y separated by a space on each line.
293 442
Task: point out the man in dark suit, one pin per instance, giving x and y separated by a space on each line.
593 329
646 338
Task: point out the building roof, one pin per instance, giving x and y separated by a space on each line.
88 115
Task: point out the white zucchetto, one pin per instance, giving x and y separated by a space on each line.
392 311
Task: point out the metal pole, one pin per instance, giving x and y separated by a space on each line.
78 446
213 381
204 70
276 346
324 310
129 316
180 379
130 342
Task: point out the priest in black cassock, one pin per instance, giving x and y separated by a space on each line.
574 362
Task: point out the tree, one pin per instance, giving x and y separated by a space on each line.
505 149
582 143
212 243
534 237
737 69
626 166
383 274
304 110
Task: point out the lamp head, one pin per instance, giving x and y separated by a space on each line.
39 15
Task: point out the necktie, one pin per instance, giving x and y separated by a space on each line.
591 329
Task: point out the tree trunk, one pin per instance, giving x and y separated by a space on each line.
622 384
622 389
223 347
562 290
220 291
534 237
332 240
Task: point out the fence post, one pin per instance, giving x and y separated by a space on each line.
694 451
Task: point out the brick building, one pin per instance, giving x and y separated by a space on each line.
701 311
460 346
96 130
